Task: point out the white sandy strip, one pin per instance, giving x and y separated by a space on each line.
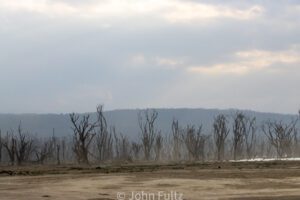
265 159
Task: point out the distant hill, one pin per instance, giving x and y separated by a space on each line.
125 120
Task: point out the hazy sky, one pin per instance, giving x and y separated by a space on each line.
70 55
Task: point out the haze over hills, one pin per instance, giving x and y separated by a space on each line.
126 121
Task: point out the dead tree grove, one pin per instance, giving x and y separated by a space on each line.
93 141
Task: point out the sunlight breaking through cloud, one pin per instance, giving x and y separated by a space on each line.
250 61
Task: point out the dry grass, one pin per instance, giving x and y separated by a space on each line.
255 180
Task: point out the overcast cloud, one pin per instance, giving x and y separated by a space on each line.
70 55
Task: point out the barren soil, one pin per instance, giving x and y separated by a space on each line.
244 180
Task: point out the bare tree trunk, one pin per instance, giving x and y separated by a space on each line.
24 146
83 136
176 140
56 146
122 147
104 138
9 143
250 137
239 132
1 145
158 146
63 144
296 149
220 134
58 154
148 131
136 149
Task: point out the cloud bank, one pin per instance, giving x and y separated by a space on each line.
69 55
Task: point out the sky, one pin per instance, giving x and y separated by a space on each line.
60 56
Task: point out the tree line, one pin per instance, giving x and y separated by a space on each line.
232 137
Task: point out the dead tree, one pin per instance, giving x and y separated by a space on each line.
296 149
176 141
280 136
158 146
9 144
1 145
56 146
63 146
122 147
58 154
19 147
24 146
296 140
148 131
83 134
221 132
250 137
43 150
136 149
104 139
194 141
239 132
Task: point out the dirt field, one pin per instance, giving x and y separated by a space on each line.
245 180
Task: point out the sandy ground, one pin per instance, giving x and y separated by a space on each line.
192 182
